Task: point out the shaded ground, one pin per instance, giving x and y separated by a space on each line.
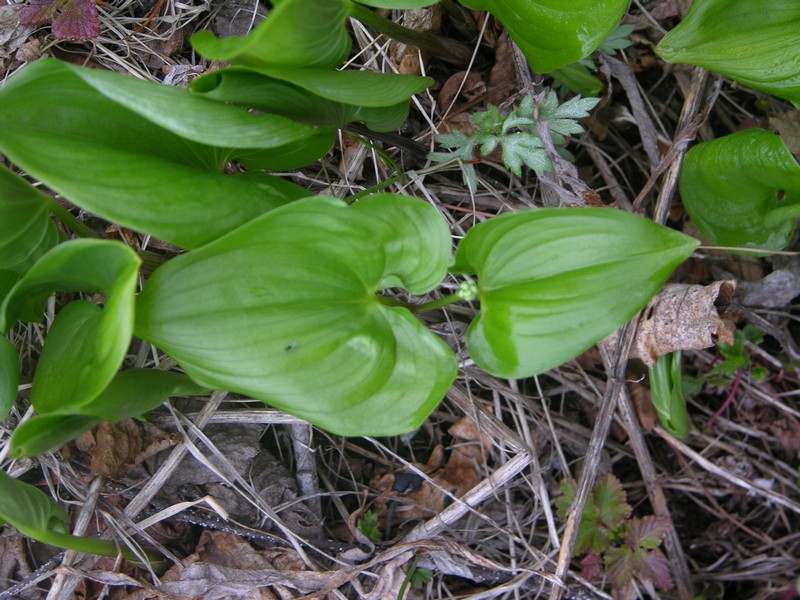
468 502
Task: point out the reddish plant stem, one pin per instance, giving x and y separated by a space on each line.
734 388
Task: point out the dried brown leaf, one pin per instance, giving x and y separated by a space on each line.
684 317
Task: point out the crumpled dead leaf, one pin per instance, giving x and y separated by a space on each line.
684 317
401 500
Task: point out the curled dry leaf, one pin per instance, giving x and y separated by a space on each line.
684 317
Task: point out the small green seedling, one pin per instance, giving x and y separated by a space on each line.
368 525
666 390
624 548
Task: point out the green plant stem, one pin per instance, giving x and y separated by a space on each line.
435 304
446 49
72 223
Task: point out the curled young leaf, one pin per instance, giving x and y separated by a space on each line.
752 41
285 309
666 393
743 190
551 33
553 282
86 344
147 156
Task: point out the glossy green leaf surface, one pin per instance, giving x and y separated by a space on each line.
553 282
320 96
137 172
130 394
9 376
26 231
86 344
39 517
554 33
754 42
296 33
743 190
285 309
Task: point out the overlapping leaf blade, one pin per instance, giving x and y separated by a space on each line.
284 309
553 33
9 376
320 96
743 190
129 169
553 282
296 33
754 42
130 394
26 231
86 345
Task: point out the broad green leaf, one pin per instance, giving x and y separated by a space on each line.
128 169
9 376
296 33
554 33
285 309
666 392
553 282
321 96
26 231
743 190
577 78
130 394
39 517
86 345
754 42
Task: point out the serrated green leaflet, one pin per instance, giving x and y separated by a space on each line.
743 190
133 171
754 42
320 96
26 231
86 345
284 309
553 33
130 394
296 33
553 282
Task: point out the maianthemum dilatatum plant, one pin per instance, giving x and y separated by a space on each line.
279 294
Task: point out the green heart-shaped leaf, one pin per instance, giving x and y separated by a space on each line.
130 394
86 345
320 96
743 190
296 33
754 42
553 282
553 33
148 173
285 309
26 231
